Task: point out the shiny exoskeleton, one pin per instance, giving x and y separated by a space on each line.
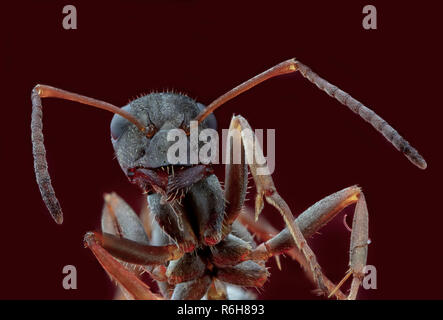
194 236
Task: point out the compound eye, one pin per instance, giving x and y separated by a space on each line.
119 125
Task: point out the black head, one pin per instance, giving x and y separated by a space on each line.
143 156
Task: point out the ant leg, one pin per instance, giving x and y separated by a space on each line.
188 267
245 274
156 236
132 286
265 231
146 217
230 251
125 241
265 188
120 220
313 219
192 290
359 246
261 228
172 219
236 185
205 199
134 252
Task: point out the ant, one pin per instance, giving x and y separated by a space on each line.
198 243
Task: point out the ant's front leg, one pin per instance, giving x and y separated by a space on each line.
125 240
134 252
313 219
239 128
132 286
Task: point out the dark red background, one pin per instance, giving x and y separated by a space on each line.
124 48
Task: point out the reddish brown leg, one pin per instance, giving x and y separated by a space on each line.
124 243
265 188
127 280
120 220
313 219
265 231
125 238
260 228
134 252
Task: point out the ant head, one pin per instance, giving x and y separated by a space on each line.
139 138
145 157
